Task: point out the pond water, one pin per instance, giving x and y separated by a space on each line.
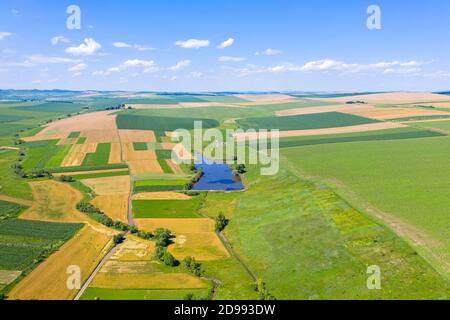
217 177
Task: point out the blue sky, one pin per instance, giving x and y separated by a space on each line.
267 45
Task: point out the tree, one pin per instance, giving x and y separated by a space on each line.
163 237
118 238
192 266
221 222
169 259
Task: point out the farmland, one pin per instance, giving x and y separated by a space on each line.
354 189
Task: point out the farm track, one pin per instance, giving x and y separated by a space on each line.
96 270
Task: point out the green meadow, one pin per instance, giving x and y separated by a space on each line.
99 158
167 208
158 185
137 294
405 179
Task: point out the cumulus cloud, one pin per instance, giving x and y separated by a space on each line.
3 35
270 52
89 47
59 39
180 65
192 43
138 47
226 43
231 59
77 68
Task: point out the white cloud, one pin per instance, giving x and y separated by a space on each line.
231 59
89 47
270 52
193 44
226 43
8 51
38 59
59 39
146 65
79 67
3 35
180 65
135 46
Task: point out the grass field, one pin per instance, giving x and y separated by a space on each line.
12 185
440 125
167 208
143 294
305 242
403 179
140 146
305 122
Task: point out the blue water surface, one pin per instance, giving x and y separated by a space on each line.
217 177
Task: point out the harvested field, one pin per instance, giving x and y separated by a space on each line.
154 106
100 121
109 185
8 276
175 168
115 155
328 131
129 154
49 280
194 237
392 98
394 113
66 141
157 280
101 136
127 136
54 202
161 196
77 154
144 166
114 206
134 249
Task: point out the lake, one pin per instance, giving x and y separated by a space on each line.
217 177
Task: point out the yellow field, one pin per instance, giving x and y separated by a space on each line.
88 172
144 166
101 136
54 201
134 249
109 185
114 206
157 280
130 136
194 237
77 154
48 280
115 154
394 113
392 98
100 121
161 196
129 154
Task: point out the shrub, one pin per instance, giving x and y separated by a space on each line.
192 266
221 222
118 238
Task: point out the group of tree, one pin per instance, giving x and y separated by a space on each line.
192 266
163 238
194 180
118 107
221 222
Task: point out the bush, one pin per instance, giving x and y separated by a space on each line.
163 237
118 238
192 266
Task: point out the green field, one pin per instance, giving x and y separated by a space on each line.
134 294
306 242
9 210
305 122
74 135
56 107
100 175
440 125
10 183
167 208
88 168
140 146
379 135
22 242
158 185
81 140
164 166
99 158
407 179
